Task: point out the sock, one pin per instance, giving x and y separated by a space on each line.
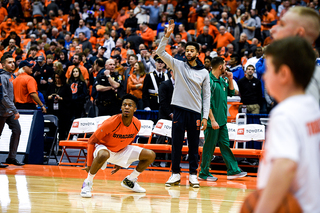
134 175
90 177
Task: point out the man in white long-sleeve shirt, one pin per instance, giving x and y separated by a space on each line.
191 97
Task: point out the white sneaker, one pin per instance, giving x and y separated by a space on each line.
239 175
209 178
86 189
132 185
193 181
173 180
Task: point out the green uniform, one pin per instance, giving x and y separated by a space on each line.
218 104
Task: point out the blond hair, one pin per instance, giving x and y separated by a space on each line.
310 21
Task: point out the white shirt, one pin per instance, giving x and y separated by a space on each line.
109 44
294 133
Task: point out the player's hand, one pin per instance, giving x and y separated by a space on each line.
204 124
229 75
87 169
16 116
115 169
215 125
170 28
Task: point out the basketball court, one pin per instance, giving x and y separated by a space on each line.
39 188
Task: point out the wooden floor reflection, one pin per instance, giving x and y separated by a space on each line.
34 188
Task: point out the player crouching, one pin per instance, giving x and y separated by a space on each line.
111 141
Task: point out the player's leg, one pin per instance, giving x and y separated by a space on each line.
211 138
178 131
145 157
233 171
193 133
14 125
101 155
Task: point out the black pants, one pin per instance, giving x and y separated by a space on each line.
108 109
190 121
26 106
15 136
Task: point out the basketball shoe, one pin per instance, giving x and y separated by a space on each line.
86 189
132 185
193 181
173 180
239 175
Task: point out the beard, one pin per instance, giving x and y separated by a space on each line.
192 58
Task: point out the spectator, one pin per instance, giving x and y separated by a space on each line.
38 10
132 59
101 51
79 93
25 89
84 42
55 21
213 31
42 73
13 9
55 35
146 34
8 26
52 7
110 9
133 37
100 17
205 40
11 48
268 20
9 113
207 63
76 63
74 20
136 81
121 18
141 13
241 44
166 9
59 97
236 68
161 25
131 21
250 91
107 85
3 13
249 25
84 29
183 6
108 44
153 13
181 55
151 86
254 60
185 36
224 38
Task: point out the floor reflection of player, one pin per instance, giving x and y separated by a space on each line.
111 141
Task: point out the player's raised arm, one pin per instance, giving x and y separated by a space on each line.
168 59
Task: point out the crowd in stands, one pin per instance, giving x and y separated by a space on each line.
96 51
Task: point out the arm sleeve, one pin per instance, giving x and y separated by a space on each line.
206 97
168 59
6 100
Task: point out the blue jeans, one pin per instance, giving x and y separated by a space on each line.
15 136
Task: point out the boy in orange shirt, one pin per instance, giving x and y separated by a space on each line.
112 144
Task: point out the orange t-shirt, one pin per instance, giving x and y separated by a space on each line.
23 86
192 17
267 19
213 31
93 41
56 22
83 70
224 40
233 6
110 9
147 36
114 135
3 13
132 82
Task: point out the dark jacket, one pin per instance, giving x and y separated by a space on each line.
165 96
86 44
206 40
137 40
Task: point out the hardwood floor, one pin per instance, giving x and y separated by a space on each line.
37 188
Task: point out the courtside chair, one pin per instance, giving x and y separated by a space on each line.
80 126
51 129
